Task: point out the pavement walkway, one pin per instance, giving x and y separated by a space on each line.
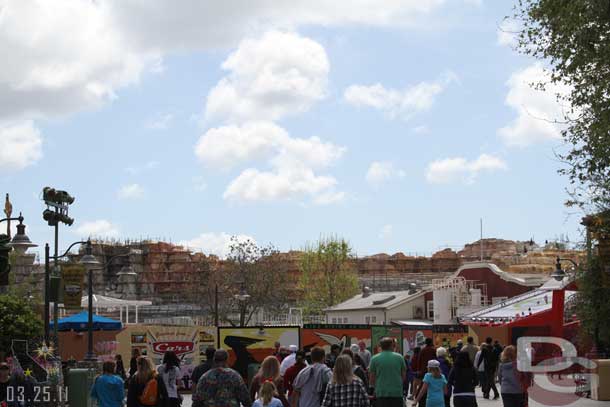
582 402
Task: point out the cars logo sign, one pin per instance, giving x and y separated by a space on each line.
178 347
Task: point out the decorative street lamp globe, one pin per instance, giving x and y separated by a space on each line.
21 242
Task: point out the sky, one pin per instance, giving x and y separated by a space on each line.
396 124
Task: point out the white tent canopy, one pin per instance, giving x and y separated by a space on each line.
112 304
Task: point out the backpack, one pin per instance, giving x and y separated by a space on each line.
150 394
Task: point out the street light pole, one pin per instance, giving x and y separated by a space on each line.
47 296
90 355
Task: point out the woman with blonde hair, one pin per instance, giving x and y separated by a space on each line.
146 388
266 395
269 371
345 389
512 388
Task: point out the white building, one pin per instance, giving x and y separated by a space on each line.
378 308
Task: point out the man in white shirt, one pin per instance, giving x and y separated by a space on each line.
364 354
289 360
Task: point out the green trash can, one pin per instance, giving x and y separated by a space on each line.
79 387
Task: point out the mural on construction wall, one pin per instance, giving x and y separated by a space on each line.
414 336
379 332
248 346
326 335
188 342
448 335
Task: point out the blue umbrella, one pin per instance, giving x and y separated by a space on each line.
78 322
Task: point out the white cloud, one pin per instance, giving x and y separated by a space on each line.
507 32
148 166
131 191
458 169
386 232
292 161
382 171
398 103
97 228
161 122
218 244
20 145
537 110
270 77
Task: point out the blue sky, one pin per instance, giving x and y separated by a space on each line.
395 124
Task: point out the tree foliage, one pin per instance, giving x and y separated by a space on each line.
572 37
328 274
18 320
257 273
592 305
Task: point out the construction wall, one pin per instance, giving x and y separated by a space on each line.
73 345
188 342
448 335
247 346
327 335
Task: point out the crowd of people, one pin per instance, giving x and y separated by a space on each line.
351 377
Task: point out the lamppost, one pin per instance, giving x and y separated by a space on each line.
47 281
20 243
91 263
242 298
559 274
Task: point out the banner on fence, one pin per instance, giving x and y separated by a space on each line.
247 346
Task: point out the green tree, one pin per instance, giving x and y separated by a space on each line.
572 37
328 274
18 320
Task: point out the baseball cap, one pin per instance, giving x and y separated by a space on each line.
293 348
433 363
354 348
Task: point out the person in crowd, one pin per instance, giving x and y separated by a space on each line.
453 351
364 353
266 395
345 389
335 351
445 366
293 371
133 363
5 374
498 352
463 378
203 367
387 372
108 389
289 360
221 386
489 369
119 367
276 350
358 371
169 371
310 384
471 348
146 388
427 354
408 384
434 386
269 370
415 367
479 364
514 388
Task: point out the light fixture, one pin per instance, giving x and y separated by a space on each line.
21 242
88 259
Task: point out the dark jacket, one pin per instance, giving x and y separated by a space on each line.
199 371
427 354
463 380
488 354
135 389
445 370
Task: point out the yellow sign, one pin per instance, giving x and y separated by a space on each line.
72 275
